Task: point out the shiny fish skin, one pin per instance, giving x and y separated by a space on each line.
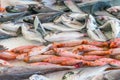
64 36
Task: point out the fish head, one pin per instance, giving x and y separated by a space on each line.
91 23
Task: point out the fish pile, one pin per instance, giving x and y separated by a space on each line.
73 53
82 35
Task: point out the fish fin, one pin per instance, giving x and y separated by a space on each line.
38 27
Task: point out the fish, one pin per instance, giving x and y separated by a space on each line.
114 11
31 34
87 48
7 34
17 42
59 27
37 58
76 74
93 31
108 75
43 17
71 22
12 16
115 43
103 19
63 36
65 53
72 6
11 26
17 2
115 25
78 16
7 55
24 72
38 52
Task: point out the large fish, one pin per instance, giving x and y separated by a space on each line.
23 72
43 17
75 74
64 36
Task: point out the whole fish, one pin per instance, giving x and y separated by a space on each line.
7 34
13 16
10 26
23 72
32 8
76 74
58 27
63 36
72 6
71 22
93 31
78 16
17 2
43 17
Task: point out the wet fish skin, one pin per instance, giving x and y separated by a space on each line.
31 35
78 74
93 31
63 36
23 72
11 16
43 17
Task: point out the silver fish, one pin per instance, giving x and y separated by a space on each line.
115 26
108 75
58 27
93 31
103 19
9 26
31 34
23 72
71 22
64 36
78 16
72 6
76 74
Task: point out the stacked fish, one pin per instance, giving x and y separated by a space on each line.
61 40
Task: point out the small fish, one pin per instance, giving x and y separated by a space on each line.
37 58
43 17
72 6
13 16
65 53
17 2
16 72
93 31
103 19
7 55
44 49
58 27
10 26
78 16
7 34
63 36
71 22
